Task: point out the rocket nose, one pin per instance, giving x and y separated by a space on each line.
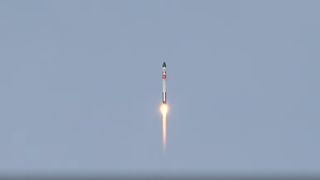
164 64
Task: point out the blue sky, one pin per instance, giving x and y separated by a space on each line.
80 86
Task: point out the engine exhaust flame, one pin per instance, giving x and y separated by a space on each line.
164 112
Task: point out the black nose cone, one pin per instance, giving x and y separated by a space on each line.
164 64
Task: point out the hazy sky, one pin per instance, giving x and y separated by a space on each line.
80 86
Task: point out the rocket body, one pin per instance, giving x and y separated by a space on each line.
164 83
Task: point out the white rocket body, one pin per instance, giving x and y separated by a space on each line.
164 83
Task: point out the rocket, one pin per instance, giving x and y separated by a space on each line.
164 83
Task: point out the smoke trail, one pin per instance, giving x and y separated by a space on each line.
164 111
164 130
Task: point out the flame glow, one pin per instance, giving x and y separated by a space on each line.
164 111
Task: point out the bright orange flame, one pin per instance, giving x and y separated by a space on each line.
164 111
